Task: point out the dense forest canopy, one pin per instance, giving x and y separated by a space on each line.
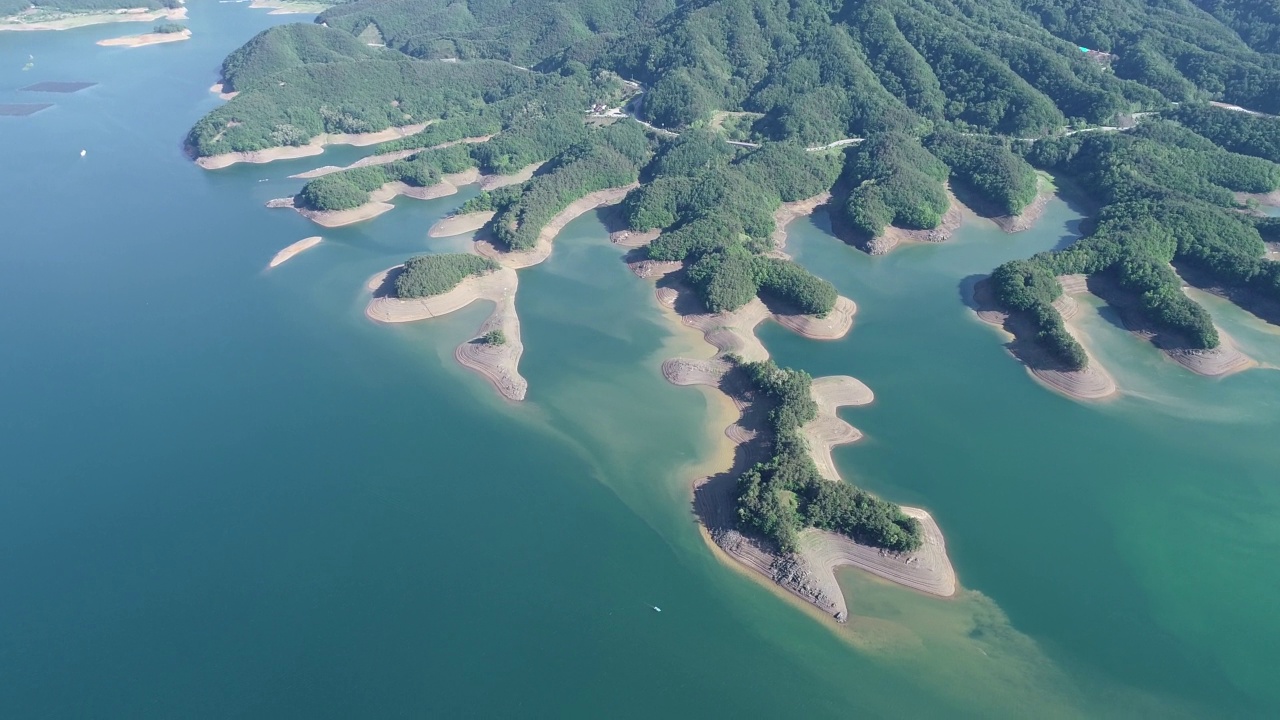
785 494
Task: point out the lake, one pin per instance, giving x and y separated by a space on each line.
225 493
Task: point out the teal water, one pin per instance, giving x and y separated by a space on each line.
224 493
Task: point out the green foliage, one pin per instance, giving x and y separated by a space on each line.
729 277
168 28
786 494
989 167
691 153
1236 131
894 181
446 131
517 31
289 47
344 190
1030 288
495 338
428 275
790 171
593 164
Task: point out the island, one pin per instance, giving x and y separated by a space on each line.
705 128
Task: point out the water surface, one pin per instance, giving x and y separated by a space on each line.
225 493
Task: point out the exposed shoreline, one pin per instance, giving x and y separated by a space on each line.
809 574
287 7
379 200
219 89
289 252
542 251
145 39
893 236
68 21
790 212
1223 360
460 224
498 364
1030 214
1091 383
383 158
316 146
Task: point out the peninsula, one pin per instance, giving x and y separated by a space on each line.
711 126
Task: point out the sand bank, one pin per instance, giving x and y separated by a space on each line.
1271 199
460 224
735 332
379 200
1091 383
788 213
314 147
499 364
383 158
288 253
541 251
1222 360
1026 219
895 236
146 39
808 574
493 182
290 7
219 89
38 19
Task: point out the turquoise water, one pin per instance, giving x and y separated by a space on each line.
225 493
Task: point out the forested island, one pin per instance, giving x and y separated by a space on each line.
702 120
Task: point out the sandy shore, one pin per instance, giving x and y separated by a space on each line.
893 236
146 39
288 253
1220 361
314 147
290 7
1091 383
219 89
493 182
809 574
383 158
527 258
460 224
788 213
1030 214
498 364
36 19
379 200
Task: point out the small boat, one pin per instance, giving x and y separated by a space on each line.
83 153
657 609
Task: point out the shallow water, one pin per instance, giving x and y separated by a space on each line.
225 493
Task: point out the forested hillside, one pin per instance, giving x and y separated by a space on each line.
917 95
13 7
